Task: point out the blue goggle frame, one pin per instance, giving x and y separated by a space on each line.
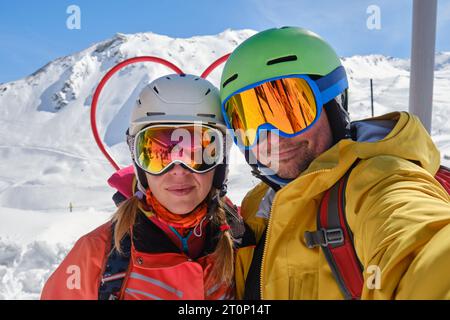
324 89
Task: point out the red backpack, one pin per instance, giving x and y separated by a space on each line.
336 239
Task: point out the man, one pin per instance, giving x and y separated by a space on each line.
291 83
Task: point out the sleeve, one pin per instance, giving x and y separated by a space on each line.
401 227
78 276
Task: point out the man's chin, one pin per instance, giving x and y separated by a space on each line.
281 171
288 174
290 169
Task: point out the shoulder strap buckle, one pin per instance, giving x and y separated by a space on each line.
324 237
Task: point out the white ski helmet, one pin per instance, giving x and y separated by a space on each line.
179 98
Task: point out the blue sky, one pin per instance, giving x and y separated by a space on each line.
32 33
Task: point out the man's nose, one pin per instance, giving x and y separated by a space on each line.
269 139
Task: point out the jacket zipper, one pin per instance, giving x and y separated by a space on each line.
268 231
265 248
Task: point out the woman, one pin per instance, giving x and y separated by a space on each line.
175 238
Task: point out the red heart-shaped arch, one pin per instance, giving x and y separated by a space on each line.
120 66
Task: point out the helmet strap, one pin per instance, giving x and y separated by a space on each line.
338 117
219 177
272 184
141 177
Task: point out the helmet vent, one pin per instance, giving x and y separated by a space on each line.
168 78
209 90
208 115
156 90
139 101
232 78
150 114
282 59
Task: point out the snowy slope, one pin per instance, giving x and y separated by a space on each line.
49 158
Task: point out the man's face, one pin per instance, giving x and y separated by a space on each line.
291 156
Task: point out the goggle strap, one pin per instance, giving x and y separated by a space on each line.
332 84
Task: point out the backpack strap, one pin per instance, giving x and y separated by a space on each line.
115 269
336 240
443 176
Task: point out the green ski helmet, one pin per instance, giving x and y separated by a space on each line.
285 51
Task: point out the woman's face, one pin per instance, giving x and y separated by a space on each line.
180 190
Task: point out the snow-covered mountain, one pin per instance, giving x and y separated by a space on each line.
45 117
49 159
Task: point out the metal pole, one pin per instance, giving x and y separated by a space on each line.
371 97
422 60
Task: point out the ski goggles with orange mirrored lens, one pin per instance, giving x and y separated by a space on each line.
157 148
290 105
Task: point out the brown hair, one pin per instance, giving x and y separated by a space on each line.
223 268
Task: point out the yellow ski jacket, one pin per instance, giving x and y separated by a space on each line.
398 213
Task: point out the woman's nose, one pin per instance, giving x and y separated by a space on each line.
179 170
